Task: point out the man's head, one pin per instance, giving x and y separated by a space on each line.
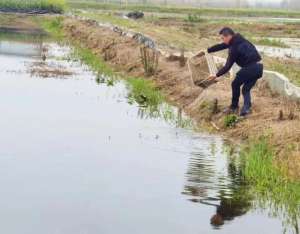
226 35
217 220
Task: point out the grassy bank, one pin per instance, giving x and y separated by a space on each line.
38 6
142 89
270 184
185 10
141 92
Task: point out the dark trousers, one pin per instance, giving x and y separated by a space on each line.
247 77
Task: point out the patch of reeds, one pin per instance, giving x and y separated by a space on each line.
149 58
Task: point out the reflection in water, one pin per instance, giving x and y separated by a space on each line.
20 44
228 191
209 185
167 113
280 52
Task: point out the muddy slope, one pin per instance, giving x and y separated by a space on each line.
123 53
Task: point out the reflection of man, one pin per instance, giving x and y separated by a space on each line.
229 203
239 202
244 53
228 210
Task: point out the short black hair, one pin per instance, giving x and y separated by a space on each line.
226 31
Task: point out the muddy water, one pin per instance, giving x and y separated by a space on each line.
77 158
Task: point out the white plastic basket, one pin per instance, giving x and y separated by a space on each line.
201 67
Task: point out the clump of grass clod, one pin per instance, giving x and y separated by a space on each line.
230 120
54 26
194 18
35 6
144 93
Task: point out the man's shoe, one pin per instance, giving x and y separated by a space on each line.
231 110
245 111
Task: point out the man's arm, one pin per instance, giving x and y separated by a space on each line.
217 47
229 63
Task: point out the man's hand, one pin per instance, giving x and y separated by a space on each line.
213 78
200 54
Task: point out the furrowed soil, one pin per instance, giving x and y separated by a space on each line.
272 114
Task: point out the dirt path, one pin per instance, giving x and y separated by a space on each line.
175 83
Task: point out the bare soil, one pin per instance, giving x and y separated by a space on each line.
123 54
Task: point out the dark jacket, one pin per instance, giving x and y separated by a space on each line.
241 51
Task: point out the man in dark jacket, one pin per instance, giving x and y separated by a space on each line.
243 53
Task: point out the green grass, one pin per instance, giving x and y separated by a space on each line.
184 10
152 103
270 184
230 120
144 92
92 60
53 6
192 18
53 26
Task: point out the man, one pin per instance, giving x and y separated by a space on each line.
243 53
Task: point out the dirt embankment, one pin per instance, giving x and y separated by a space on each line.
271 115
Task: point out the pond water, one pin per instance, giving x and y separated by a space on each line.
280 52
77 157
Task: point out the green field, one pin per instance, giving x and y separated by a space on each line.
42 6
232 12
